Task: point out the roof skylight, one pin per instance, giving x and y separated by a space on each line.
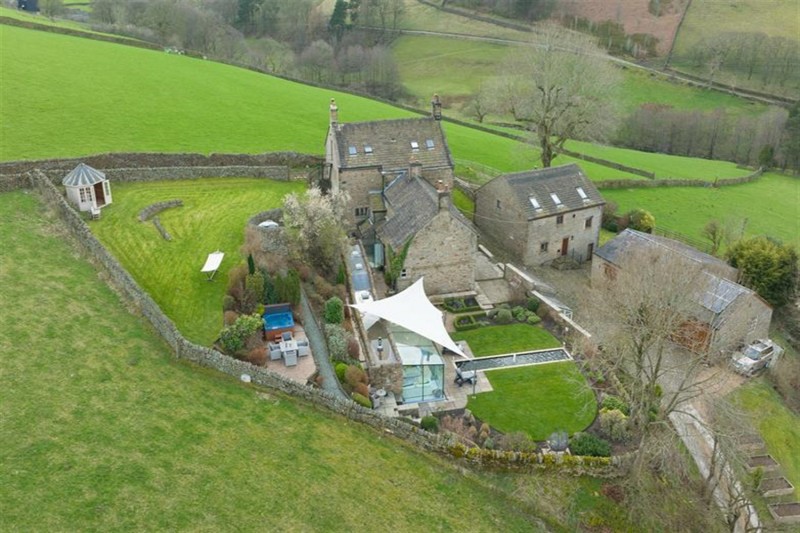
414 145
352 150
582 193
556 199
429 144
534 202
367 149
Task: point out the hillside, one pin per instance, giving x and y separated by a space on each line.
102 430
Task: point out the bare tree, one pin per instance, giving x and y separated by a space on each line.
561 88
714 231
51 8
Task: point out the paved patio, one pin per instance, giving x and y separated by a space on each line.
305 367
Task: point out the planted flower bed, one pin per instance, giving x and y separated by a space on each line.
776 486
467 322
461 305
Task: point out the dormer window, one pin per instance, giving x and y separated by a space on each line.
367 149
429 144
352 150
556 199
414 146
534 203
582 193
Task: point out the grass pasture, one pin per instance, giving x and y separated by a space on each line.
102 430
771 206
213 217
538 400
779 427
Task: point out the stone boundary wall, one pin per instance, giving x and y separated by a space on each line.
560 318
164 233
475 16
158 207
466 187
639 184
611 164
446 444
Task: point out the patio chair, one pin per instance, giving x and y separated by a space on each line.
290 357
274 351
303 348
286 336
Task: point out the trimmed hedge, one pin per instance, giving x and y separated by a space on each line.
468 321
458 305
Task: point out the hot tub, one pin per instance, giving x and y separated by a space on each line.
277 319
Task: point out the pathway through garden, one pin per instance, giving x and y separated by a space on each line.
319 349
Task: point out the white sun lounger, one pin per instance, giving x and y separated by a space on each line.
212 264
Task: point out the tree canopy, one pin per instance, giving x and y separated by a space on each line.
768 267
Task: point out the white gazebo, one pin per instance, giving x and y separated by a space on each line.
87 188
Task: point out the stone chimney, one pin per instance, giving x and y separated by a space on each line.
444 195
334 113
436 107
415 168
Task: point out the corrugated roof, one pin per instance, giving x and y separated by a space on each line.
553 190
392 144
83 175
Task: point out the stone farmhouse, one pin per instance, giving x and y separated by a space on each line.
727 313
399 174
541 215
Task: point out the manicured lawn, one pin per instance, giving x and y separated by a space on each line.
102 430
538 400
779 427
213 217
464 203
771 206
513 338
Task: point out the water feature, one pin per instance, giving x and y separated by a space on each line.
515 359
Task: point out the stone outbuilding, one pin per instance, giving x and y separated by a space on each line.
541 215
88 189
363 157
727 313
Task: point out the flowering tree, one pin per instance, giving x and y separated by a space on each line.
314 225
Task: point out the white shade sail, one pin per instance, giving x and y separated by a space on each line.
412 310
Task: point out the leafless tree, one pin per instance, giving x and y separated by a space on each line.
51 8
561 89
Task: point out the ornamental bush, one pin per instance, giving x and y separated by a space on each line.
334 310
354 375
614 424
533 319
642 220
340 370
533 304
430 423
234 337
504 316
337 341
615 402
362 400
588 444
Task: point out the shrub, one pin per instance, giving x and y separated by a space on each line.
362 400
337 341
614 402
642 220
340 370
353 349
257 356
519 313
362 389
229 317
609 216
614 424
588 444
341 275
533 319
532 304
322 287
228 303
517 441
334 310
233 337
430 423
270 295
504 316
354 375
304 271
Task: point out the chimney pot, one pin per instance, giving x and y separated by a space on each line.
334 109
436 107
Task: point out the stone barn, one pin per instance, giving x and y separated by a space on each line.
541 215
87 189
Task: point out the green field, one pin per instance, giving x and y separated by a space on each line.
213 217
421 17
513 338
455 68
771 206
779 427
102 430
538 400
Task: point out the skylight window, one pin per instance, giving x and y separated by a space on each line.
367 149
414 146
556 199
534 202
582 193
352 150
429 144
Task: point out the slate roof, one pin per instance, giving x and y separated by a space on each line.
414 202
391 143
631 238
562 181
716 294
83 175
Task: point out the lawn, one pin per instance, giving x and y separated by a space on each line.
101 429
513 338
464 203
537 399
779 427
213 217
770 205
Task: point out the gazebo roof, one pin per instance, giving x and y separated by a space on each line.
412 310
83 175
